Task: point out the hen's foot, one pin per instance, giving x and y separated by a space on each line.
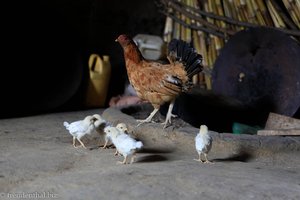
143 121
149 118
169 115
168 120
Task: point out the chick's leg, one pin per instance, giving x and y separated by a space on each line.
199 159
81 143
74 142
132 158
169 114
124 161
206 160
149 118
105 144
116 153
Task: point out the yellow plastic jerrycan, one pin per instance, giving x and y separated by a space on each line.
99 72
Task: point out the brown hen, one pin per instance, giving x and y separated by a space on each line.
161 83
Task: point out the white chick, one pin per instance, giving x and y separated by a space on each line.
125 145
98 117
80 128
123 128
203 143
100 124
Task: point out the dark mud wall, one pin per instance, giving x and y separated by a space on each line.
47 44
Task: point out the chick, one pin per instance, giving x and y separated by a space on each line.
125 145
123 128
100 124
98 117
203 143
80 128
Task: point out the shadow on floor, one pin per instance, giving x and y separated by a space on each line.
156 150
240 157
152 158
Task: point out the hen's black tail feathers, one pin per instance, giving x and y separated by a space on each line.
181 51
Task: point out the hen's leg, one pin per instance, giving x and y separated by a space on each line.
149 118
169 114
171 58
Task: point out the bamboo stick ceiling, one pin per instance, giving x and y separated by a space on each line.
208 24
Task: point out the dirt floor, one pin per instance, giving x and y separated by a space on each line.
37 159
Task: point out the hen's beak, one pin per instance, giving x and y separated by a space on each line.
116 40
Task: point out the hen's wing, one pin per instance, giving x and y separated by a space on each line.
158 83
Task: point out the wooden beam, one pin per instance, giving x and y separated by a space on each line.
281 125
282 132
277 121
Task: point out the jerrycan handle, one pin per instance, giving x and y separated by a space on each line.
95 63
